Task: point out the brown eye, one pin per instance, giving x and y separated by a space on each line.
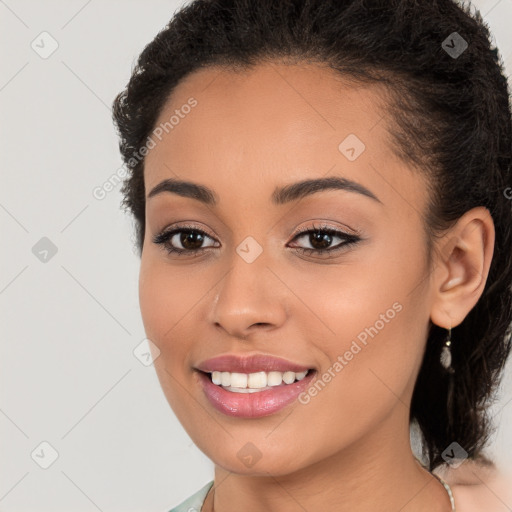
183 240
190 240
321 239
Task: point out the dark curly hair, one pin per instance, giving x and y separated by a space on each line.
449 118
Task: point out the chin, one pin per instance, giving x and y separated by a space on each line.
256 464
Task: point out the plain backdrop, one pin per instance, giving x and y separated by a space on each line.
75 394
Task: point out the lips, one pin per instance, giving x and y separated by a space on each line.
253 405
249 364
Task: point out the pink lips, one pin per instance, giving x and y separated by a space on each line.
249 364
260 403
253 405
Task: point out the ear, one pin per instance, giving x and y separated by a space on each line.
461 266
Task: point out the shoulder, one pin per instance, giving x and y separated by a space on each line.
478 487
195 502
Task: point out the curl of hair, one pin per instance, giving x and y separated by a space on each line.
448 118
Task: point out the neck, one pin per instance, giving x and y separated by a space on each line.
377 472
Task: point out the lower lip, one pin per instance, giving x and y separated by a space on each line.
253 405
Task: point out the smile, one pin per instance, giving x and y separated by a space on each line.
253 395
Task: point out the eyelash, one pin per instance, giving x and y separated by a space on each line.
164 238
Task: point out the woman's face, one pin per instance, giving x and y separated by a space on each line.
358 316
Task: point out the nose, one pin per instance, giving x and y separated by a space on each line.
249 299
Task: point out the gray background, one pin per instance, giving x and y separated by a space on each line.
70 324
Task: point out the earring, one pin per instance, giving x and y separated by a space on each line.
446 353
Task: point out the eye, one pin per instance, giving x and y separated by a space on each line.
189 238
321 239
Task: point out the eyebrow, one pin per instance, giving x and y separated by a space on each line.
280 196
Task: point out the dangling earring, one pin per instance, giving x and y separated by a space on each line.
446 353
446 362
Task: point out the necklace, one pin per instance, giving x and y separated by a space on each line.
448 490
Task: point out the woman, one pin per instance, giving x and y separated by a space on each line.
320 196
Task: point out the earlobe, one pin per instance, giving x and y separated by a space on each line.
462 267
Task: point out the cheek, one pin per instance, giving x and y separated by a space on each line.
370 323
165 296
155 300
163 302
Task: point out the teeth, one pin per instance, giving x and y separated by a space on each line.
238 380
225 378
254 381
274 378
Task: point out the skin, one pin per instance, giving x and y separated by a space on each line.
476 487
348 448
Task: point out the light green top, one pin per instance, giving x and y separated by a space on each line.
194 502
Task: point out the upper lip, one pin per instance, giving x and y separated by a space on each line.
249 364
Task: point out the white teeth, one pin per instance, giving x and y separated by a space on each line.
256 380
301 375
274 378
288 377
225 378
238 380
249 383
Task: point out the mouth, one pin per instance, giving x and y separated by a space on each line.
255 394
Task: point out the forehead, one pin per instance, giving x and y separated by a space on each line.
272 125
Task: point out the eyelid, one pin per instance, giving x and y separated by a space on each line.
303 230
185 225
323 225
